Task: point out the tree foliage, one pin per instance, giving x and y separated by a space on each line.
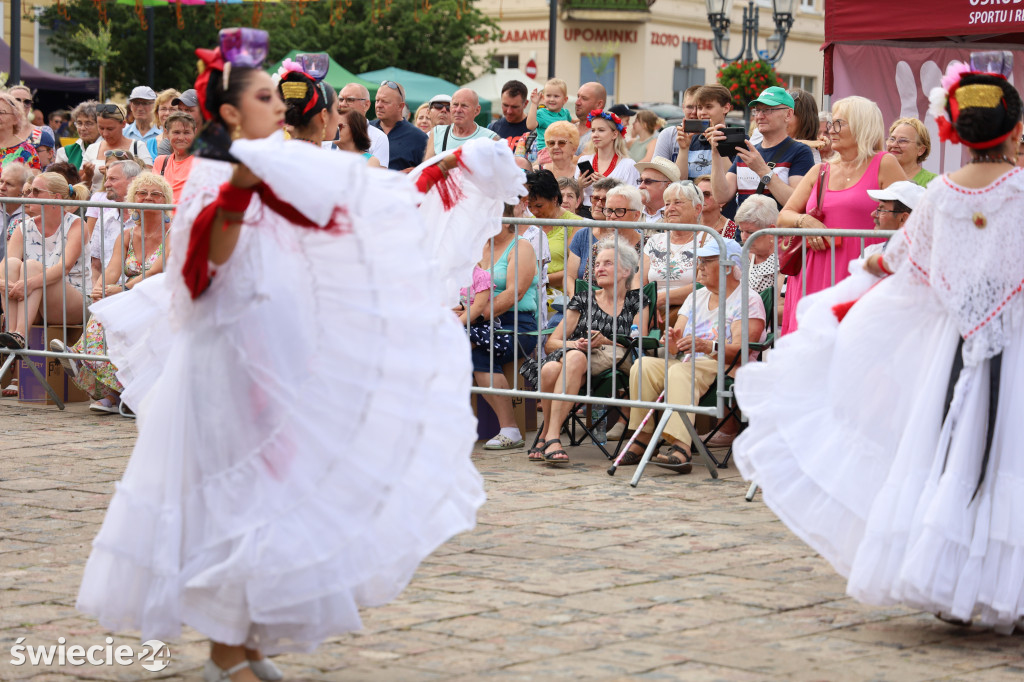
368 36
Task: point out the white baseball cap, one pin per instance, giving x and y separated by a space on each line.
143 92
903 191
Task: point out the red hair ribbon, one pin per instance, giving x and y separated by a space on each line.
209 60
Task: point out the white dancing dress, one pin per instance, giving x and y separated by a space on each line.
857 441
304 424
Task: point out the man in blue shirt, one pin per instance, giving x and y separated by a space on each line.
406 142
142 128
513 109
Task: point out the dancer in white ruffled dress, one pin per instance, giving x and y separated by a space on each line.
891 441
305 437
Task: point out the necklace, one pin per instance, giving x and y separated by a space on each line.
1002 158
611 167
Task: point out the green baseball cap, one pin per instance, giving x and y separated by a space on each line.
775 96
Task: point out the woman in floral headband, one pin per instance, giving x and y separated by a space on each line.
906 473
611 156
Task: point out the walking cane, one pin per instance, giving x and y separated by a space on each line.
615 464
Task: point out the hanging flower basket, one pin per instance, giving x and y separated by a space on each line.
748 79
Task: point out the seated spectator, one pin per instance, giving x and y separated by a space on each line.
69 172
512 123
514 271
666 257
180 130
44 149
12 184
622 204
422 118
465 106
655 176
561 139
110 122
545 202
83 120
711 215
895 203
598 197
139 253
355 96
103 226
353 136
759 213
612 308
440 111
774 167
645 125
46 249
14 148
572 198
911 144
143 128
610 158
693 345
406 142
162 108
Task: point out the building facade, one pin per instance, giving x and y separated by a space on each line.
633 46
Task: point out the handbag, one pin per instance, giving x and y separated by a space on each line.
791 260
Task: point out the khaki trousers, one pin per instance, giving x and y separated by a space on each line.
696 375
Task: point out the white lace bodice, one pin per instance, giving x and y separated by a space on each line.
968 245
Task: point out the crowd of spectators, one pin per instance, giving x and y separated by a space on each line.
585 158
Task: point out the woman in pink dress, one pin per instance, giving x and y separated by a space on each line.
857 132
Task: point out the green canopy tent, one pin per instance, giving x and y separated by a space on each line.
420 88
337 75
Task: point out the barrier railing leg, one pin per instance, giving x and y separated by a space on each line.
46 385
649 452
752 491
709 461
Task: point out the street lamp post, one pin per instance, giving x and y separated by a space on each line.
719 12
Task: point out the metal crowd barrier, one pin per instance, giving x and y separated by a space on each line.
9 210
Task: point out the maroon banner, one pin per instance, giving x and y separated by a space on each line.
899 77
884 19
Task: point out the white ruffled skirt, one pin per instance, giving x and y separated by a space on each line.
299 453
846 440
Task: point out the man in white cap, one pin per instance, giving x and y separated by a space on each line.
655 176
440 110
142 128
895 203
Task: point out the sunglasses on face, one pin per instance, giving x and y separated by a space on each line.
110 110
441 105
26 102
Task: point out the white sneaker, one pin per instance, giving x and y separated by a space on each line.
104 406
214 673
70 365
266 670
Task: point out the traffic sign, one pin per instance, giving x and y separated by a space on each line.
531 68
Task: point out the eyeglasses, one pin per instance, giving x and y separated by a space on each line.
704 262
648 181
441 105
707 195
879 209
618 212
353 100
118 154
764 111
35 192
165 109
835 126
394 86
595 200
26 102
899 141
557 143
156 194
85 123
111 109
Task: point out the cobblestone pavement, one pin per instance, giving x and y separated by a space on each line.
570 574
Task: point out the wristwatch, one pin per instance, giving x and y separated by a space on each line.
714 346
767 178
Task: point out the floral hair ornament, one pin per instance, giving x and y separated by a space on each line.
608 116
950 98
246 47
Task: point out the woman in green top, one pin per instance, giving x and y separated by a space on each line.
545 202
910 143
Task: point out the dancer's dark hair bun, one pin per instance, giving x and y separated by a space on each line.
304 97
976 123
214 140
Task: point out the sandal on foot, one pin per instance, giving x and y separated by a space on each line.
536 453
12 340
671 462
632 458
549 457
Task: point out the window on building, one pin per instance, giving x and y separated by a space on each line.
795 81
809 5
602 68
506 61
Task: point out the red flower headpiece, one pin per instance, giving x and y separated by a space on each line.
608 116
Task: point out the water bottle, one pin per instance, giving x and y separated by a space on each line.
598 417
634 332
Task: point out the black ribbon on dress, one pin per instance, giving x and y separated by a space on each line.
995 366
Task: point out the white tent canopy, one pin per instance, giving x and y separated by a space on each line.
489 85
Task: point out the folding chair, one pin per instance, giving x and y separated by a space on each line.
601 384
